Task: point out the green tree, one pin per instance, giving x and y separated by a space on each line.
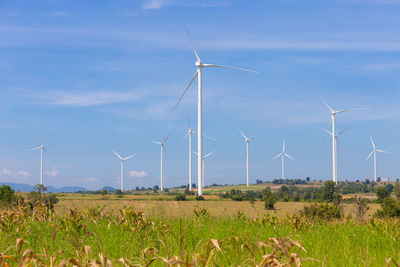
103 192
269 200
396 190
7 195
382 193
328 191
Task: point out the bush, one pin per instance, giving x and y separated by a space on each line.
396 190
269 201
200 198
390 208
7 195
180 197
361 205
322 211
328 191
237 198
382 193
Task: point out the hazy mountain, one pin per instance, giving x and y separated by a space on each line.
50 189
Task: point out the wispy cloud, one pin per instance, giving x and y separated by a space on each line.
52 173
89 98
157 4
4 172
91 179
138 174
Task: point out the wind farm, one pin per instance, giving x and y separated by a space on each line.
213 111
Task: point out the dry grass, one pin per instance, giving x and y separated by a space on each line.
177 209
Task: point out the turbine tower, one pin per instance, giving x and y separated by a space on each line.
42 149
373 152
334 146
283 154
202 159
189 135
247 140
162 145
122 167
200 65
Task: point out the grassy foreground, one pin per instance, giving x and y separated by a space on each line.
95 237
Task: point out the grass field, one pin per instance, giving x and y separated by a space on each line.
84 236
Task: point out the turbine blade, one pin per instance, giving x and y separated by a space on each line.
277 156
372 142
129 157
350 109
382 151
328 132
188 121
194 152
155 142
184 138
289 157
191 42
210 138
326 104
166 138
116 154
284 146
228 67
339 134
209 154
244 136
33 149
47 152
184 92
370 154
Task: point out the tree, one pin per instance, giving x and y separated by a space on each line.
389 188
40 188
308 179
396 190
328 191
382 193
361 205
6 194
103 192
269 200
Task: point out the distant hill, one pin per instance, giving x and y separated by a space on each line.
50 189
108 188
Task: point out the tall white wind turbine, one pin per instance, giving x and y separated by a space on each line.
122 167
189 135
334 146
200 65
373 152
162 145
202 159
247 140
42 149
283 154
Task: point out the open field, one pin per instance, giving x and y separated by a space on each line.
81 236
177 209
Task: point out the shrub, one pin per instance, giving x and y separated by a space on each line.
237 198
200 198
361 205
396 190
328 191
180 197
390 208
7 195
382 193
269 201
322 212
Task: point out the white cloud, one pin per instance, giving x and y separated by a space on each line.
10 173
139 174
88 98
91 179
155 4
52 173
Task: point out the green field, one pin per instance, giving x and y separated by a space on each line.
217 238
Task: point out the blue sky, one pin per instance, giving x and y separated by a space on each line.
91 76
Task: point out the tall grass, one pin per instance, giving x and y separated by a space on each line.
95 237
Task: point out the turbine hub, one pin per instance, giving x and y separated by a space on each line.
199 63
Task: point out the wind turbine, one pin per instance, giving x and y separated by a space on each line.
162 145
122 167
200 65
334 152
336 145
202 159
283 154
247 140
373 152
189 135
42 149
